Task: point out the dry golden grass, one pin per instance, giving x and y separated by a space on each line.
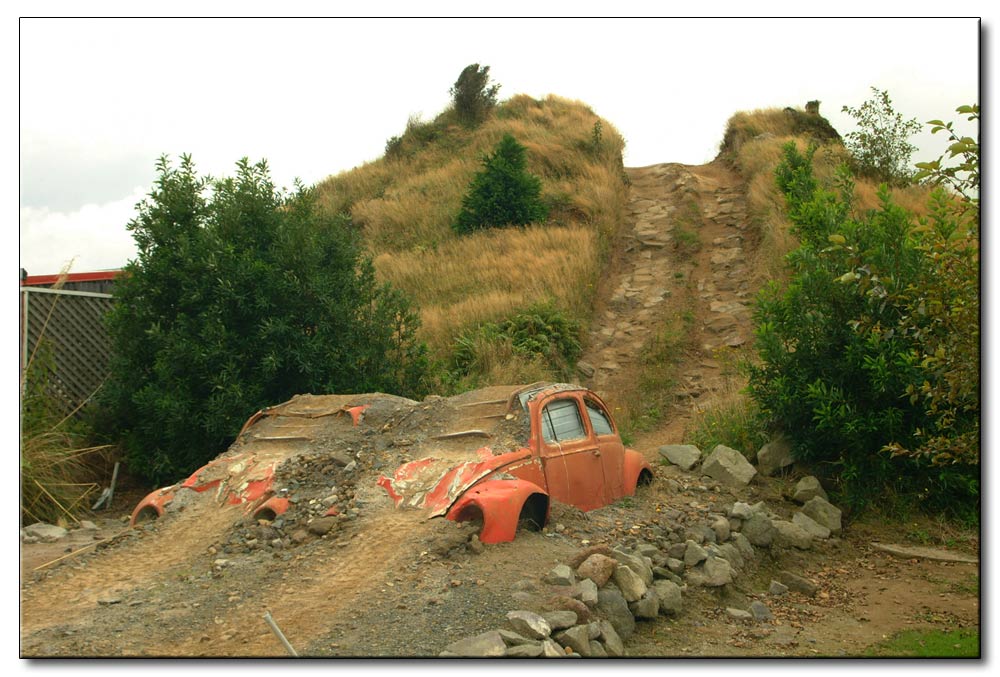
754 143
405 205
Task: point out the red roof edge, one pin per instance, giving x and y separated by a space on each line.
98 276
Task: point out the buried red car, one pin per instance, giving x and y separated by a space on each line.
497 455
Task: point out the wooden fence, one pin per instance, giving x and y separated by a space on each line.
64 331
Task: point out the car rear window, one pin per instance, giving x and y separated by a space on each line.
561 422
599 420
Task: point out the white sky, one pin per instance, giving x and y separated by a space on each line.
101 99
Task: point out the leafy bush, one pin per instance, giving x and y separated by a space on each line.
844 348
880 146
540 333
241 297
503 193
473 96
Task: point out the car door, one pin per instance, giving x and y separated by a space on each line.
570 454
611 451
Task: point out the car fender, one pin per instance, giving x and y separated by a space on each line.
499 502
152 506
635 465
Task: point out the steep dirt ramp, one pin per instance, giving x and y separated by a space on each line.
309 595
75 588
681 266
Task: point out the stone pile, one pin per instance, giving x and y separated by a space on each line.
590 606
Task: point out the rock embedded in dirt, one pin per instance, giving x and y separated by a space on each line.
774 456
810 526
739 614
824 513
46 533
489 643
684 456
564 603
551 649
759 530
636 563
669 595
631 585
530 650
576 638
797 583
560 575
777 589
760 611
323 525
609 638
529 624
807 488
720 525
712 573
647 607
740 511
729 467
512 638
597 568
789 534
694 554
613 607
560 620
588 592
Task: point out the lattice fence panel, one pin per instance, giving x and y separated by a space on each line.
71 327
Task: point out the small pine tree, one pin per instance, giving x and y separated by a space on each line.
473 95
503 193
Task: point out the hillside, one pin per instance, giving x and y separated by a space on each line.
660 264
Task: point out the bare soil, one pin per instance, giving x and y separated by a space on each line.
388 583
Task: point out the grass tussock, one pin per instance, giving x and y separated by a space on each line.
406 202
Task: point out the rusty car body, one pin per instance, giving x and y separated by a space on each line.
497 455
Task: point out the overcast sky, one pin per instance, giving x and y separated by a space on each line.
101 99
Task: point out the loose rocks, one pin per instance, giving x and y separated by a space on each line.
729 467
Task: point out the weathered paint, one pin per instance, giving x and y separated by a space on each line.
499 502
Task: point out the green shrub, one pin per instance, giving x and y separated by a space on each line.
473 96
843 348
541 333
880 147
240 298
503 193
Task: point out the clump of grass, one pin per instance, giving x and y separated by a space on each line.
963 643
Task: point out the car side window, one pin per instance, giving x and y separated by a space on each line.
599 420
561 422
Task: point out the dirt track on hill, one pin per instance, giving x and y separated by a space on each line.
385 583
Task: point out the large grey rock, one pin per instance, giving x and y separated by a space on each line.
675 566
738 614
759 530
729 467
560 575
807 488
744 545
777 589
551 649
588 592
636 563
487 644
530 650
774 456
694 554
714 573
46 533
720 525
529 624
823 512
760 611
810 526
797 583
740 510
731 554
631 586
612 642
511 638
669 594
684 456
597 649
647 607
597 568
789 534
614 609
576 638
560 620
